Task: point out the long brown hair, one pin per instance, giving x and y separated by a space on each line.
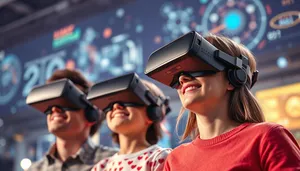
153 133
243 106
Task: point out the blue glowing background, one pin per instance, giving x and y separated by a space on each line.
119 41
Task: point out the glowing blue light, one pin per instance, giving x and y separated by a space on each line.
128 67
166 8
282 62
119 38
172 15
116 71
6 79
10 66
120 12
139 28
104 63
233 20
203 1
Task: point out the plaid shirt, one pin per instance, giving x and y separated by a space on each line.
87 156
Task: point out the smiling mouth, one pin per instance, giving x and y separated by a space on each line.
191 88
120 114
58 117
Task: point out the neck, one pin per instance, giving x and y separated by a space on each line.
132 143
67 147
214 121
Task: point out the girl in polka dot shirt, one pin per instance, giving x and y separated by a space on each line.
137 136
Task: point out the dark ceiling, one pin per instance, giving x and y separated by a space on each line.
14 10
23 19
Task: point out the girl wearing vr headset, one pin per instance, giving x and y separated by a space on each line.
227 125
136 135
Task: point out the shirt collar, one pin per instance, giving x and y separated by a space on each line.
85 153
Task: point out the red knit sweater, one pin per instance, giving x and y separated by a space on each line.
262 146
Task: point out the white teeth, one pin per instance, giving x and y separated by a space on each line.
120 115
57 118
190 88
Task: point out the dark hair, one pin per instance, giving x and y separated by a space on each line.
243 106
153 133
81 82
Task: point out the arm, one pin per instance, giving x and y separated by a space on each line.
159 161
279 150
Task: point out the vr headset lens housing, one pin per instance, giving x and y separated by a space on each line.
124 104
59 93
190 53
62 109
127 90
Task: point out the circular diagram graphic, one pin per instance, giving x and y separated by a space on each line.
243 21
10 77
292 106
178 20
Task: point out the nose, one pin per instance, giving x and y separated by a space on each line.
184 79
117 106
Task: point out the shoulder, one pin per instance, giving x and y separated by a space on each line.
273 132
182 148
101 164
38 165
178 151
103 152
266 129
278 148
274 137
181 151
160 152
264 126
157 157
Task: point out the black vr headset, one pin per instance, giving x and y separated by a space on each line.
193 54
127 90
63 94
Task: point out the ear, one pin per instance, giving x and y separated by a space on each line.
148 122
230 87
90 123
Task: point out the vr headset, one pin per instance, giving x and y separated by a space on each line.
61 93
127 90
194 54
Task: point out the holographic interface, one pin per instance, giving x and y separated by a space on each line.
119 41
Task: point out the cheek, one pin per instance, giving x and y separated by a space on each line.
179 94
78 118
138 115
108 119
217 88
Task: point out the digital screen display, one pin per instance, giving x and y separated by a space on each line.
281 105
119 41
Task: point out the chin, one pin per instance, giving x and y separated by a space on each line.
117 127
186 103
58 128
192 104
54 131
